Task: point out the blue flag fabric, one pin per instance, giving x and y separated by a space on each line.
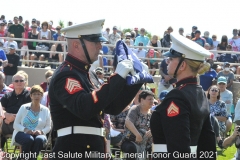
122 52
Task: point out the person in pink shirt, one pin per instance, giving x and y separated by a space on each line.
27 29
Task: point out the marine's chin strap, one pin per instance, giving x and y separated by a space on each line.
85 50
179 63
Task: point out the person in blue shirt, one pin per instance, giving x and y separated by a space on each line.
55 35
3 59
142 38
207 79
208 40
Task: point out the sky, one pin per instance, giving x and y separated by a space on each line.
216 16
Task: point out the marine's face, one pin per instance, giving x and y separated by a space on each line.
172 65
93 49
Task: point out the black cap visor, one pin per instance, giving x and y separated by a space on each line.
172 53
94 38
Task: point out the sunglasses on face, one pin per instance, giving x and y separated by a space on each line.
214 90
214 37
98 73
16 81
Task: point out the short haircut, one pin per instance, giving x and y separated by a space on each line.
18 74
144 94
49 73
36 88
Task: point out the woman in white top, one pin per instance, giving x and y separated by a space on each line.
32 123
45 32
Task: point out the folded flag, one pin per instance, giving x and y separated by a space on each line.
142 75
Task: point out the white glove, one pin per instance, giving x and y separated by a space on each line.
124 67
145 67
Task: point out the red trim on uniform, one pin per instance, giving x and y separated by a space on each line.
172 110
77 59
181 87
63 67
94 96
72 85
75 66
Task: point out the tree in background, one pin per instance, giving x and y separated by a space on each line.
148 34
61 23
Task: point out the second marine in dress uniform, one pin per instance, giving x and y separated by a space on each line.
181 124
76 108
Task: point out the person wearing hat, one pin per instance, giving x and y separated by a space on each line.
2 29
141 38
77 108
181 123
11 68
226 72
58 33
227 97
34 21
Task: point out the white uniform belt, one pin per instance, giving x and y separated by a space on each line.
80 130
163 148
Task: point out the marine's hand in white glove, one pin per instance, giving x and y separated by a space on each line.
124 67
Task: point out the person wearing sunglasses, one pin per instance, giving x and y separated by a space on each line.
218 109
181 123
11 102
77 107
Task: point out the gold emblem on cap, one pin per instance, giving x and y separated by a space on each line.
86 67
68 65
101 113
79 36
183 55
88 146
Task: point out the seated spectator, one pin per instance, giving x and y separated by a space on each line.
44 85
137 134
227 97
234 138
218 108
32 123
207 79
11 68
118 123
153 64
140 52
228 57
45 32
55 35
215 44
222 46
3 87
155 43
26 79
32 45
142 38
166 41
7 43
3 59
128 37
161 97
42 46
57 47
199 40
11 103
208 39
227 74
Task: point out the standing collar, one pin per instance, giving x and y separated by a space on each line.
188 80
77 63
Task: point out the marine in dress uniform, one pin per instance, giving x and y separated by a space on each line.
77 108
181 126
